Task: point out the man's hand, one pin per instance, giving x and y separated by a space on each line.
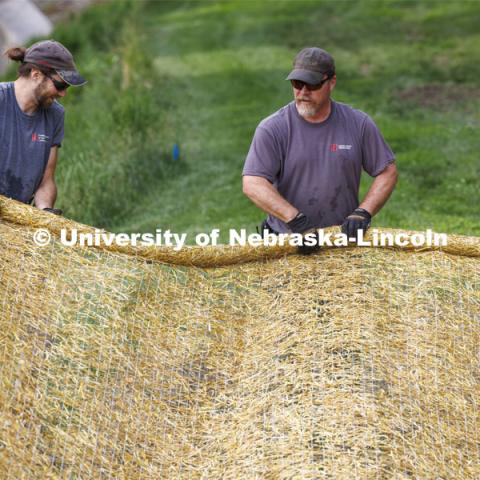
302 224
55 211
358 220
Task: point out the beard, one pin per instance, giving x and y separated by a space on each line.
307 109
43 98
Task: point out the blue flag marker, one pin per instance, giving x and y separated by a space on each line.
176 151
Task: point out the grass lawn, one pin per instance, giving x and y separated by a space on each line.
203 74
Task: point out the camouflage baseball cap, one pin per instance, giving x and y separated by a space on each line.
311 65
52 54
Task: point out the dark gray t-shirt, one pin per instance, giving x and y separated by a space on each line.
25 143
317 166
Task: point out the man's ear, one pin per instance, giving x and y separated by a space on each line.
35 74
332 82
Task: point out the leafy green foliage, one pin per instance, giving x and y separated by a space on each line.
204 73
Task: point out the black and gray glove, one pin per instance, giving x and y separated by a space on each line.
55 211
302 224
358 220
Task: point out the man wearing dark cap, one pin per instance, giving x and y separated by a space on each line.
305 161
31 122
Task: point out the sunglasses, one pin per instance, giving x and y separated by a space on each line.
298 84
59 85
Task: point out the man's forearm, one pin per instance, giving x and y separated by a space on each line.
46 195
380 190
266 196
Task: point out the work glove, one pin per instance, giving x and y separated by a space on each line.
358 220
302 224
55 211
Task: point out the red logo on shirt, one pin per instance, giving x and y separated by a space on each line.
39 137
334 147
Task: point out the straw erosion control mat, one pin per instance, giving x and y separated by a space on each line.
352 363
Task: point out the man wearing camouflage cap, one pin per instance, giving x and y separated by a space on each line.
305 161
31 122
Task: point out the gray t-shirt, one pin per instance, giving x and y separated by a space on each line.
25 143
317 166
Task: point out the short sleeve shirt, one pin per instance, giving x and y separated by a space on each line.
317 166
25 143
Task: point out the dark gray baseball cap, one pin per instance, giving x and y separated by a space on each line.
52 54
311 65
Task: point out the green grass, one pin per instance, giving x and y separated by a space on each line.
203 74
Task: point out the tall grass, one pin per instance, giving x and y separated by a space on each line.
115 149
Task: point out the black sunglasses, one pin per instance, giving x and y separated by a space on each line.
59 85
298 84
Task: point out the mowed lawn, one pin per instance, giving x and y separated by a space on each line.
212 70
